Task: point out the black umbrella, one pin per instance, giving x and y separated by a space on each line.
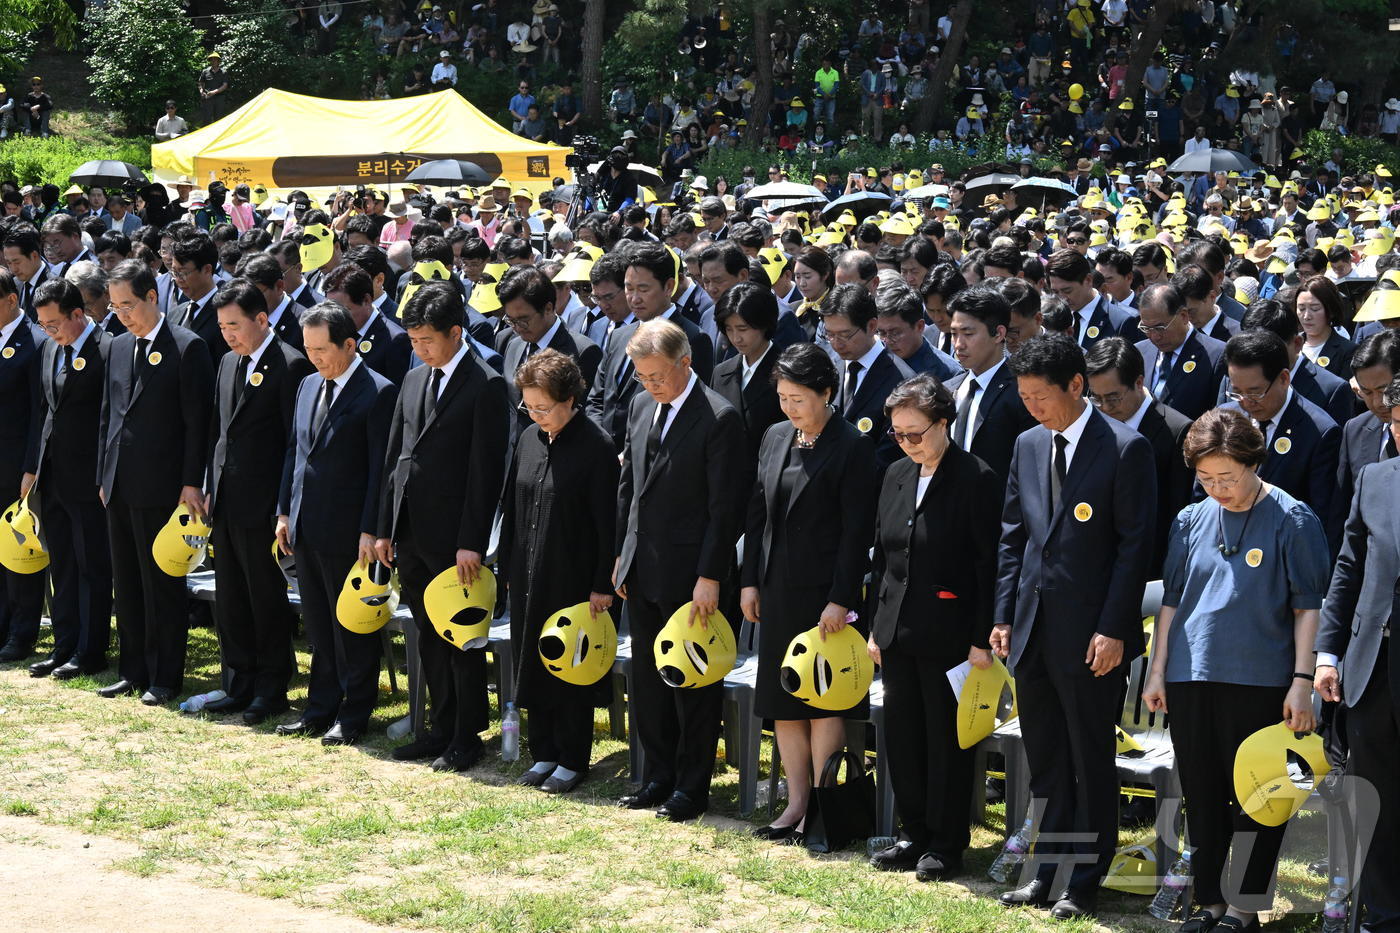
449 173
994 183
1214 160
108 173
860 203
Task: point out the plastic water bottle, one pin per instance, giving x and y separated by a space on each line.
200 700
1334 908
1171 896
510 734
1012 856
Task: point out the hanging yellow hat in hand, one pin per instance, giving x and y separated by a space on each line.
694 654
1275 771
979 700
21 551
461 613
367 599
181 543
832 673
577 646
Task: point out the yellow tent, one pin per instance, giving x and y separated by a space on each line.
284 140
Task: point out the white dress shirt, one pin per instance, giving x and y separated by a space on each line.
675 406
984 379
1073 434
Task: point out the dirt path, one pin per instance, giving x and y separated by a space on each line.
57 879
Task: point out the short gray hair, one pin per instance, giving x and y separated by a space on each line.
658 337
1391 395
89 277
560 234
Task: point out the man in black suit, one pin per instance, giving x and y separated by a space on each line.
1210 257
327 514
679 510
1198 289
1075 546
991 414
1071 278
1358 618
282 313
1302 439
1366 439
61 463
1327 391
610 396
1116 388
650 285
255 391
25 257
527 307
21 343
288 256
63 243
372 260
452 419
156 409
196 256
868 371
747 314
381 343
1182 367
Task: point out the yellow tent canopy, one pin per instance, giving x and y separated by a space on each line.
285 140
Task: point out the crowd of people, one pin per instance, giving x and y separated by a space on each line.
967 430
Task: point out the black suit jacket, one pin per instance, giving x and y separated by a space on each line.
756 403
26 292
331 483
288 327
1109 320
1195 392
1362 438
1001 418
1224 328
19 400
250 435
306 296
113 325
63 444
1329 392
385 348
1082 570
867 410
610 397
829 515
155 431
584 351
203 321
679 519
1165 429
1335 356
947 544
1360 602
446 467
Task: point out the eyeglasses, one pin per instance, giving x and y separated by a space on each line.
656 380
540 412
1222 484
845 336
1076 240
121 309
1111 400
910 437
1150 329
1234 396
50 329
520 323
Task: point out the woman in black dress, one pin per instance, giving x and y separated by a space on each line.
556 551
806 549
939 520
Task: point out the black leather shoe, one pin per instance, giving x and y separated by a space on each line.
554 785
1035 893
261 708
1072 906
430 746
119 689
14 652
902 856
645 797
227 705
303 726
44 668
934 867
679 808
458 758
71 670
777 833
339 734
533 778
157 696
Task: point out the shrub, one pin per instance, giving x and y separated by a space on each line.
29 160
1358 154
144 52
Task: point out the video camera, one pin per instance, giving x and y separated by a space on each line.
586 152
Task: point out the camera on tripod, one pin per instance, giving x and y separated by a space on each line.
586 152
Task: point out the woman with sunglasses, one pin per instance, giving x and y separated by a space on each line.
1245 575
556 551
937 526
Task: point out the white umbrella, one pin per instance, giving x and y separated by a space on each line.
925 191
646 175
786 190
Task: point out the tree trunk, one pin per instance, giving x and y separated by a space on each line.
948 57
590 73
763 77
1145 43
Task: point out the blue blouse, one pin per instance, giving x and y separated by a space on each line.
1234 615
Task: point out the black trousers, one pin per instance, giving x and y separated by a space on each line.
21 605
459 707
1209 721
1373 726
152 617
930 774
1067 720
563 733
344 683
252 614
80 564
678 728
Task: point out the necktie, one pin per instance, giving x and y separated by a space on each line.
142 345
240 377
625 372
946 342
1164 369
1078 318
434 386
530 350
1264 429
323 411
1057 476
852 382
63 370
654 435
962 429
1389 447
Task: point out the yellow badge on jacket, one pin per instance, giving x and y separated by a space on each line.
366 346
79 363
864 425
1083 511
154 359
1092 332
1254 557
1323 361
1283 445
8 352
1189 366
256 379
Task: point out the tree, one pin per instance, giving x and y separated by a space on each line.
1147 41
763 73
144 52
948 57
591 72
22 20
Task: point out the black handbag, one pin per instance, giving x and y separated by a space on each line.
839 814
